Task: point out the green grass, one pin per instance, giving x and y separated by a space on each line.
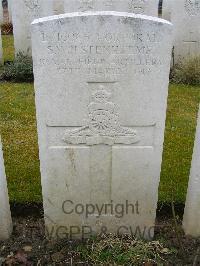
110 250
18 127
8 47
182 111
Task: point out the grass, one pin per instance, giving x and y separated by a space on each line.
109 250
18 127
8 47
182 111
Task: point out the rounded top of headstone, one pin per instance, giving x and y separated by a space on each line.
101 13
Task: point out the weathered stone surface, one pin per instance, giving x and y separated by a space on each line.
23 13
101 83
191 217
1 13
5 216
185 17
148 7
167 9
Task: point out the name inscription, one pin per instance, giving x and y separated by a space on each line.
99 54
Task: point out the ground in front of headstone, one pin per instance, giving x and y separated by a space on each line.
28 246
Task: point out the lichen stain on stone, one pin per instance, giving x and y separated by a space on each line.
67 186
72 160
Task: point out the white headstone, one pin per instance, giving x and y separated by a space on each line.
101 83
1 12
167 9
23 13
5 215
148 7
185 17
191 217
